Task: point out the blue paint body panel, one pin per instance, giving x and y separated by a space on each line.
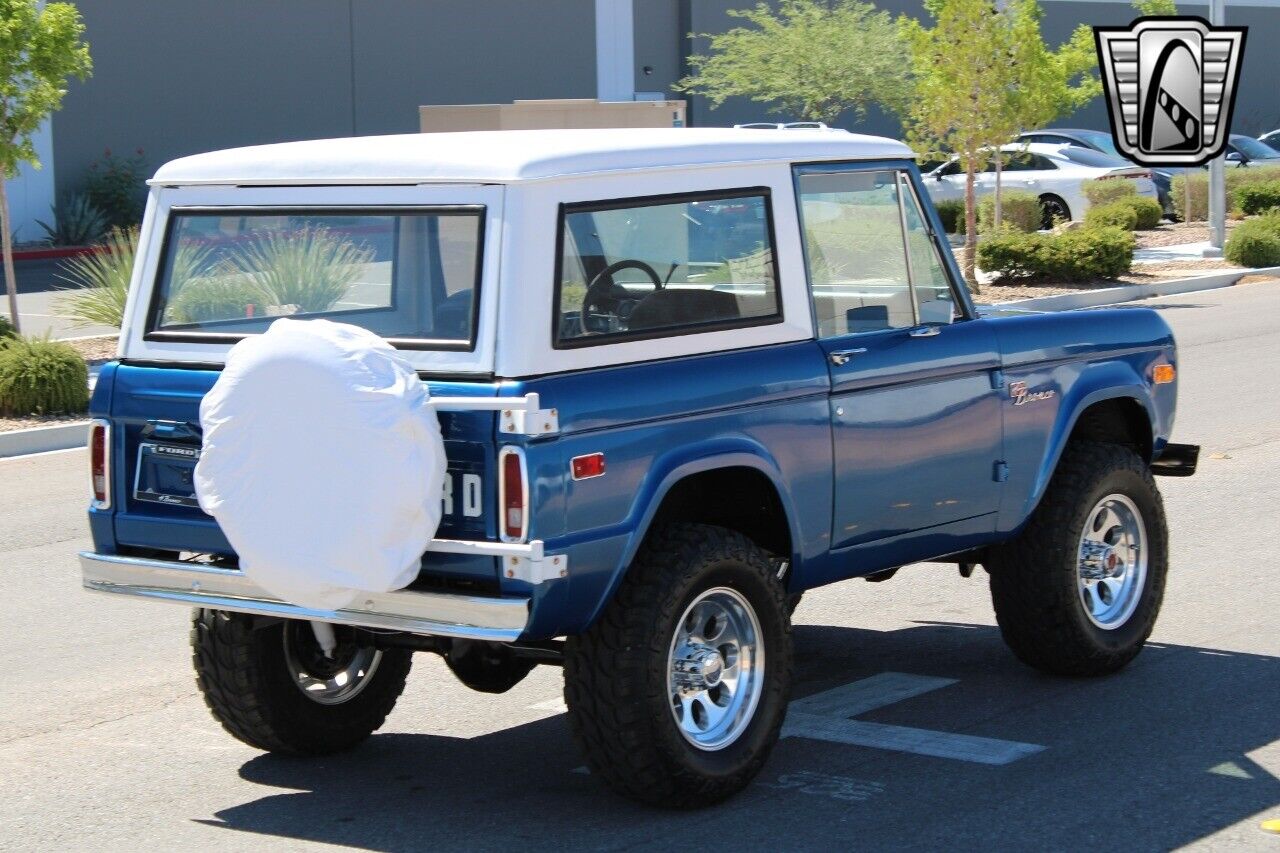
915 448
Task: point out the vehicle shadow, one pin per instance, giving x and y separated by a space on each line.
1152 758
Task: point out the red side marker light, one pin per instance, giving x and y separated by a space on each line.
586 467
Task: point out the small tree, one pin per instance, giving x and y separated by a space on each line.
813 58
39 50
963 68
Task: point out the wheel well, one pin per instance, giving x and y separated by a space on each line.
1117 421
739 498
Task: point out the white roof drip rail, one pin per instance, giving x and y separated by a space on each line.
520 415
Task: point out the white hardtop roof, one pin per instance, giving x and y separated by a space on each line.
502 156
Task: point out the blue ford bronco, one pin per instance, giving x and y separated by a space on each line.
682 376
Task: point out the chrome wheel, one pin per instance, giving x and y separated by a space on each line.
1112 561
715 669
328 680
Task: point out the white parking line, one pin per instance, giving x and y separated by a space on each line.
825 716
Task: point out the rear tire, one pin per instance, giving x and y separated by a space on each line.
1079 590
678 692
272 688
1052 209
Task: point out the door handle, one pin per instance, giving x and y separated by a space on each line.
924 331
842 356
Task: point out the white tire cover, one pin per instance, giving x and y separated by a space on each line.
322 462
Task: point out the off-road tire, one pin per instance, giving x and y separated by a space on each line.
616 674
241 671
1034 577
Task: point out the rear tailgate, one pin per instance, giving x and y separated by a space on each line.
155 414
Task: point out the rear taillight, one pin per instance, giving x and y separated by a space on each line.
513 495
100 462
1133 176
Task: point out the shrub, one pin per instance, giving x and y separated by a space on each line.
1080 255
76 222
1255 242
951 212
309 268
101 281
1117 214
1019 211
1236 178
6 329
1148 211
1258 198
1107 190
117 186
41 377
205 298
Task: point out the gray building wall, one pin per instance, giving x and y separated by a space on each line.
186 76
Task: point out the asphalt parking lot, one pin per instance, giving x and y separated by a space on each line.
913 726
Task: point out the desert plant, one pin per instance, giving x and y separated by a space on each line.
951 212
1107 190
310 268
41 377
76 222
100 281
117 186
1080 255
1116 214
1255 242
202 299
1148 211
1258 198
1020 211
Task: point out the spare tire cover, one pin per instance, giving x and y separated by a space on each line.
322 462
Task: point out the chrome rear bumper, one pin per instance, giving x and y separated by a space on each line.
202 585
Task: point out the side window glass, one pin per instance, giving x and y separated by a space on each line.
935 303
854 248
648 267
1044 164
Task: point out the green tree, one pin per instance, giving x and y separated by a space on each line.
1155 7
39 50
813 58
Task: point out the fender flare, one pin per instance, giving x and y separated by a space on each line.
1068 416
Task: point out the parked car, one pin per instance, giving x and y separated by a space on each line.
1246 151
1053 172
1271 139
682 376
1102 141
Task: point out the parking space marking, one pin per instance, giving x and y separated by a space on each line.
826 716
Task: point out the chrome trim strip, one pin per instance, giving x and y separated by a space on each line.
202 585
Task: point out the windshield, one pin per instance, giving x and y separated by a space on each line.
1253 149
1094 159
1102 141
408 274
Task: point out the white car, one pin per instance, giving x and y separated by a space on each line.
1053 172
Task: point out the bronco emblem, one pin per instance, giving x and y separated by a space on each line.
1021 395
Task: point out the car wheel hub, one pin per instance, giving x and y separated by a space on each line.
715 669
1112 561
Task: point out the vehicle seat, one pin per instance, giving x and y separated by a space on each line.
681 307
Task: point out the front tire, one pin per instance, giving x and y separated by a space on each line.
1079 590
677 694
1053 209
272 688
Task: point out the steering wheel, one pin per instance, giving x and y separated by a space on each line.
610 297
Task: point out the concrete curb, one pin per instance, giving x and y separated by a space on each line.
1132 292
21 442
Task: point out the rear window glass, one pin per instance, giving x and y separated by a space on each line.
409 275
663 266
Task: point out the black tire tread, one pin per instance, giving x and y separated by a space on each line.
605 669
1035 609
227 654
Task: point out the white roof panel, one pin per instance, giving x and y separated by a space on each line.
504 156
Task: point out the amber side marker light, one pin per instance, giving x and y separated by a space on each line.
1163 374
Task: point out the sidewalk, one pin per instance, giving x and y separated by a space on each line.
1179 252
